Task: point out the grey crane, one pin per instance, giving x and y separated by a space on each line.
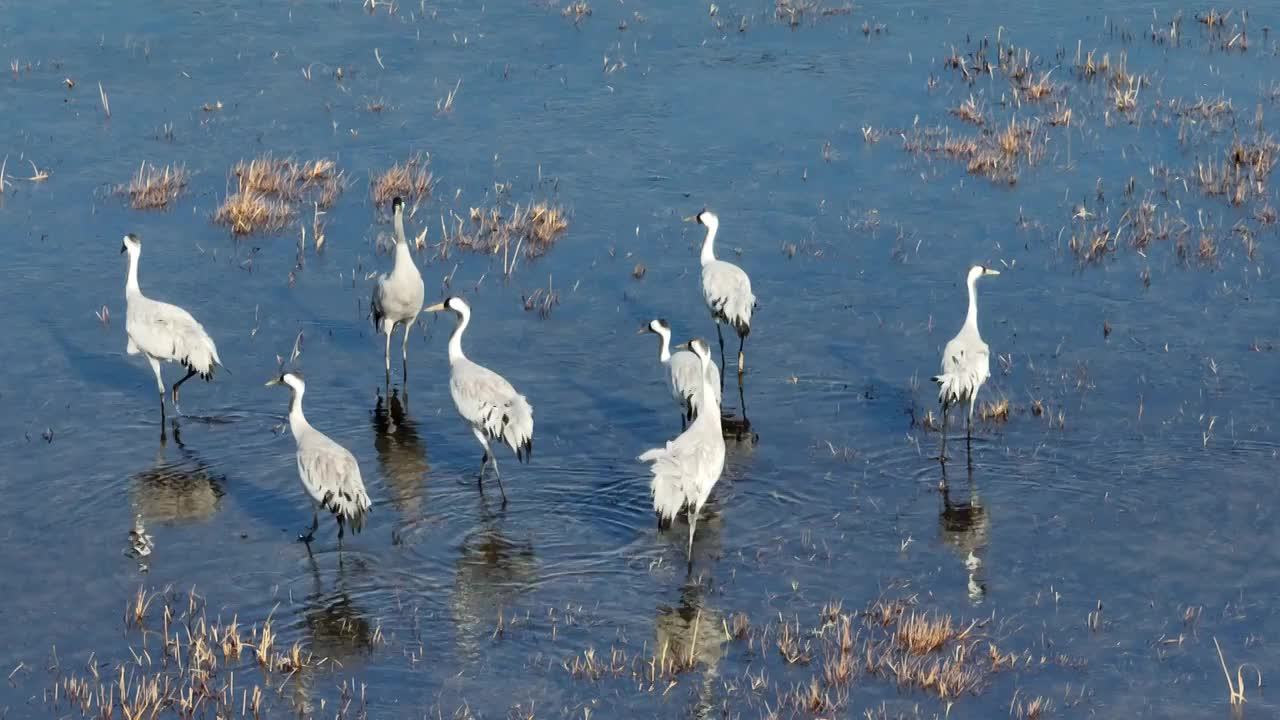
687 468
398 295
492 408
329 472
164 332
684 372
966 362
725 288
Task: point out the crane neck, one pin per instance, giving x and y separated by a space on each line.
131 282
297 421
399 226
404 257
708 245
455 340
971 319
708 400
664 348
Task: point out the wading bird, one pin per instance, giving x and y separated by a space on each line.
164 332
966 363
492 408
725 288
685 471
684 372
329 471
397 296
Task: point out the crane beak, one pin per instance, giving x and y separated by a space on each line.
272 381
644 329
691 218
683 346
989 271
435 308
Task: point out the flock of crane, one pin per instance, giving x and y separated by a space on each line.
684 470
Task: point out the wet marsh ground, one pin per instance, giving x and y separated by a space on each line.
1117 525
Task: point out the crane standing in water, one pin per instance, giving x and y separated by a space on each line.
164 332
725 288
687 468
966 363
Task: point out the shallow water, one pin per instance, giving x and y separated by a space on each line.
1146 486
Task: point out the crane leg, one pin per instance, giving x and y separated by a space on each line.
968 435
943 456
404 352
693 525
178 384
720 334
387 356
155 368
341 528
741 365
310 534
498 474
489 457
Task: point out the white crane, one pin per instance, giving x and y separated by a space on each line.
492 408
966 362
685 471
398 295
684 372
725 288
329 472
164 332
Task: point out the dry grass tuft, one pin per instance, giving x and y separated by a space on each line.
268 189
1060 116
412 180
1033 709
921 634
998 156
184 668
577 11
793 12
543 301
971 112
792 646
247 213
154 188
995 411
1040 89
527 231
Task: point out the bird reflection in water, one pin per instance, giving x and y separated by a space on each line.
738 427
692 635
492 572
402 456
336 632
178 489
964 525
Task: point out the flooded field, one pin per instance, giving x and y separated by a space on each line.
1110 551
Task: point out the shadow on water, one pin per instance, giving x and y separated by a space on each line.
693 633
176 489
335 630
402 455
963 524
491 573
